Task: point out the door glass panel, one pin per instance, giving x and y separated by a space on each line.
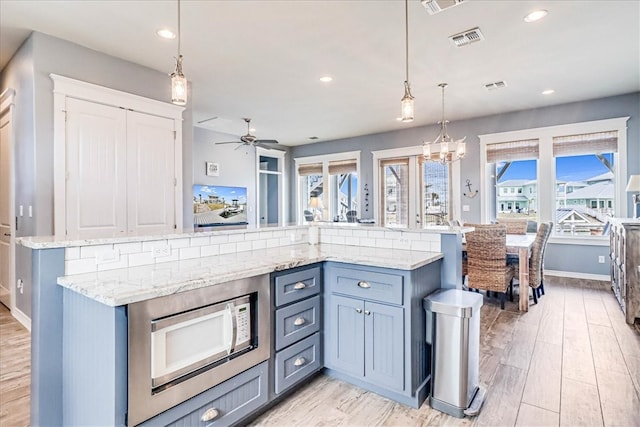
395 192
435 193
311 189
344 206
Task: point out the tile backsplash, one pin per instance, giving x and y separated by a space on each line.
111 256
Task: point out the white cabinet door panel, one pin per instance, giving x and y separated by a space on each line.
96 184
151 173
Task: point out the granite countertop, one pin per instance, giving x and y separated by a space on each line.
133 284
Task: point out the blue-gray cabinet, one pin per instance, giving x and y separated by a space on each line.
296 342
375 328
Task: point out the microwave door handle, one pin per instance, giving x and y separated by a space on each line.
234 327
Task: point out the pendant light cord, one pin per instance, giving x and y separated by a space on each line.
406 34
178 28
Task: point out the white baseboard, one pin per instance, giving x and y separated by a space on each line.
577 275
22 318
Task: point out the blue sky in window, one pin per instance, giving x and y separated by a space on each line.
573 168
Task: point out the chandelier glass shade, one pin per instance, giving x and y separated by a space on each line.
407 99
178 80
444 149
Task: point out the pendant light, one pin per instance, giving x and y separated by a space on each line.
178 80
407 99
444 149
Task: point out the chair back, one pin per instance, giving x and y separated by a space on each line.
514 226
537 251
351 216
308 215
544 248
487 256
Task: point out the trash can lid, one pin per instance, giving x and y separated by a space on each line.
453 302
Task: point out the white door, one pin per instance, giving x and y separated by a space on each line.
151 173
6 210
96 185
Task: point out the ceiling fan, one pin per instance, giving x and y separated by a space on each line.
249 139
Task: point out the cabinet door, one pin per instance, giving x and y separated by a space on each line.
96 185
151 174
345 343
384 345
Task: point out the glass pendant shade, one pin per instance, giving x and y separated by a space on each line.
407 104
178 88
407 100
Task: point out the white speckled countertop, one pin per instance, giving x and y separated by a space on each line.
129 285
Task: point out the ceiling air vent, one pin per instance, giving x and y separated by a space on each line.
467 37
495 85
436 6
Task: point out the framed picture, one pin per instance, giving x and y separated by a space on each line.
213 169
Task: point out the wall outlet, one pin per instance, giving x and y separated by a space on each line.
161 251
20 286
466 208
601 259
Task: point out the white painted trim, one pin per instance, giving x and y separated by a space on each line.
279 154
576 275
326 196
546 165
579 240
22 318
7 104
90 92
65 87
390 153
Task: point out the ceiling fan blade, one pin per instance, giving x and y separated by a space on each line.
229 142
266 141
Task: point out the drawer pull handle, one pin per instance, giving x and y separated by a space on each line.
367 312
364 284
209 415
299 321
358 310
299 285
300 361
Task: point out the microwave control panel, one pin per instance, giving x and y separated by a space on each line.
243 319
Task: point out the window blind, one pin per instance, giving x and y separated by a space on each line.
338 167
589 143
310 169
512 150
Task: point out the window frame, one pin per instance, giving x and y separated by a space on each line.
546 169
326 193
393 153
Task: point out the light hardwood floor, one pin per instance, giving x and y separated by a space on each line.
15 371
571 360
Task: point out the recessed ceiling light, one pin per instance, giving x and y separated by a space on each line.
326 79
548 92
166 33
535 15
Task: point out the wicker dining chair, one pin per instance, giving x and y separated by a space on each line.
487 260
514 226
536 272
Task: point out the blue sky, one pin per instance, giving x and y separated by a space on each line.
574 168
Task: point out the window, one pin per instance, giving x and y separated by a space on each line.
328 187
573 174
412 193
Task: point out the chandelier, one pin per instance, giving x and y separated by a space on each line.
407 99
178 80
444 149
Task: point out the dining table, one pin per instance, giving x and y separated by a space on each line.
521 245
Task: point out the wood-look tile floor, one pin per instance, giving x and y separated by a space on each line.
571 360
15 371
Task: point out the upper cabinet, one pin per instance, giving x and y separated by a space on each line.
118 162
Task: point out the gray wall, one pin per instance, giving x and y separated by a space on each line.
237 165
46 55
584 260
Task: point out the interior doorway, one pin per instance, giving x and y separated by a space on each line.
270 194
7 211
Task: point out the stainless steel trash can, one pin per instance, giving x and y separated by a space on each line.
453 330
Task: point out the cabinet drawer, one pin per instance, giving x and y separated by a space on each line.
222 405
297 321
296 362
294 286
369 285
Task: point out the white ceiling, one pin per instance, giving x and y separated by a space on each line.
263 59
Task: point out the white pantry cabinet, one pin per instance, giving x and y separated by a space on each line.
118 162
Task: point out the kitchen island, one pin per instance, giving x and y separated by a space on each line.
164 265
